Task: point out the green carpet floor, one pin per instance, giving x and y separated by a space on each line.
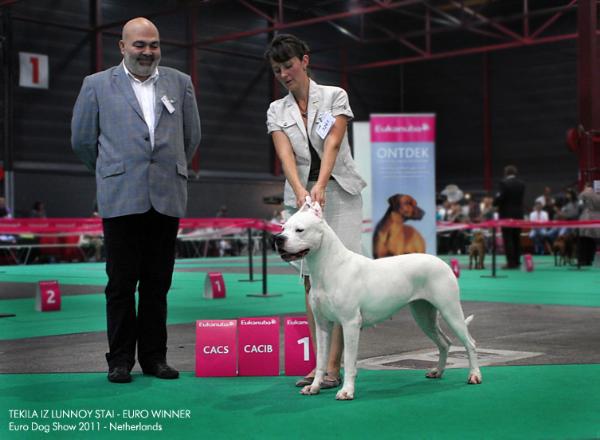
534 402
86 313
525 402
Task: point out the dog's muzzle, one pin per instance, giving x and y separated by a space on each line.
285 255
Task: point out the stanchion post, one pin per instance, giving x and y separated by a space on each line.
250 254
494 252
493 275
264 270
250 258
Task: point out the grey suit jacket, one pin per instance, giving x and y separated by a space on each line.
284 115
110 136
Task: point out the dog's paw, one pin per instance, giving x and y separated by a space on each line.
474 378
434 374
309 390
344 395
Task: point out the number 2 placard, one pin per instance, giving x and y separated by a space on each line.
47 296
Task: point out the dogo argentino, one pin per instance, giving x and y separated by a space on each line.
357 292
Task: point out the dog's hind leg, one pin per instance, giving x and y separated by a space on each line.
454 317
351 331
426 316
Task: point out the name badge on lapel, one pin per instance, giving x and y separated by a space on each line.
324 124
167 104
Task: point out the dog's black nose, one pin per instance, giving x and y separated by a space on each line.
279 239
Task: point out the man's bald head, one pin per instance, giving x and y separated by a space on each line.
140 46
138 24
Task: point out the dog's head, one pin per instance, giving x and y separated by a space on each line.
302 232
406 206
478 237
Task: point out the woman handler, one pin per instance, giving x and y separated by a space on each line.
309 131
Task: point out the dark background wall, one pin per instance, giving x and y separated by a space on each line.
532 92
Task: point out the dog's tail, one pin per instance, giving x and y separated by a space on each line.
469 319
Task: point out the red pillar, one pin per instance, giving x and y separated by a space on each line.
588 93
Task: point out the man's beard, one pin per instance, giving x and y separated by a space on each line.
137 69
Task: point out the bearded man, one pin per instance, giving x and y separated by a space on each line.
136 127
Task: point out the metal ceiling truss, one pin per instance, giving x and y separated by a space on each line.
508 28
484 25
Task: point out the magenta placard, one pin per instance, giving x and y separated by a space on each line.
258 346
455 265
216 348
299 353
48 296
405 128
214 286
528 259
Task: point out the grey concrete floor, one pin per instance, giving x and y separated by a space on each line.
562 335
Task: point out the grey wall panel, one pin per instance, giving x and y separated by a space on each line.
534 102
70 195
452 89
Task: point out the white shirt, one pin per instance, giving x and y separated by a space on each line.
144 92
541 216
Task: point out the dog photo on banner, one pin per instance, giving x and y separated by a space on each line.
403 184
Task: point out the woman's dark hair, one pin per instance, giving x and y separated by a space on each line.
284 47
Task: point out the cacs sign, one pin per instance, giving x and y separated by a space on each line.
215 348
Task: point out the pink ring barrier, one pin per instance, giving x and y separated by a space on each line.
76 226
511 223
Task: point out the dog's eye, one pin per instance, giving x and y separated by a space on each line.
299 230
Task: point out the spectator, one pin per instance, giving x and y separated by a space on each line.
38 210
589 237
487 209
570 210
538 235
548 202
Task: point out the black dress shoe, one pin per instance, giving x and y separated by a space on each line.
119 375
161 370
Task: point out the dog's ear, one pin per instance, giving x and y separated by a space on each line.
394 201
316 208
307 204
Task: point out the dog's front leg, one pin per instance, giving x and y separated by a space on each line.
323 334
351 335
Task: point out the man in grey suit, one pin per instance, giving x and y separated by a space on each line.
136 126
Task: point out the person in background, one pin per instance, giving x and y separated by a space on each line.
509 201
570 210
589 238
38 210
309 131
136 126
538 235
548 202
487 208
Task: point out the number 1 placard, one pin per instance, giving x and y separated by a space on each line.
33 70
299 353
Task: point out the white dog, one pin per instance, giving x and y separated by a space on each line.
355 291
